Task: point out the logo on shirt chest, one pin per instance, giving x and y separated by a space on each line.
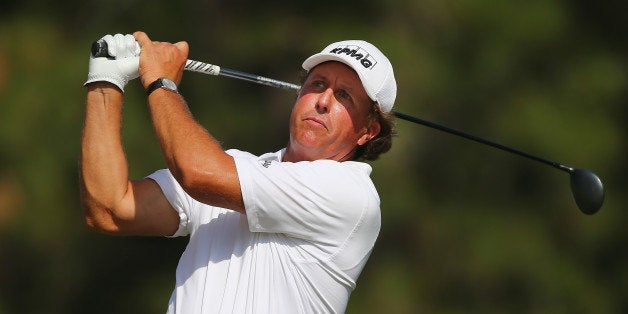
267 163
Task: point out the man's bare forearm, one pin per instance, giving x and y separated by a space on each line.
103 165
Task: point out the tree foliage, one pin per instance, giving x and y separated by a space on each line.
466 229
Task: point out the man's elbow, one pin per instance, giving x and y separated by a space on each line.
192 179
100 219
194 174
217 185
212 189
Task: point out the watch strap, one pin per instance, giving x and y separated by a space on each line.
159 83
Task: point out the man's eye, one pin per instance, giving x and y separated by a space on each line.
344 95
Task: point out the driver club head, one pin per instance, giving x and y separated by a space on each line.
587 190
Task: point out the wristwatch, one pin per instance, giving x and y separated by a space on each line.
159 83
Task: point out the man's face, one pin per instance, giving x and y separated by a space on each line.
330 116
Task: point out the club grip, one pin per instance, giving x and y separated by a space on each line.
99 49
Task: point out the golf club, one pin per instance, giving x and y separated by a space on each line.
586 187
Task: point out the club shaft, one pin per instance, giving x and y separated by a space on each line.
191 65
478 139
99 49
206 68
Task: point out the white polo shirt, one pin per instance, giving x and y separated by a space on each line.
308 231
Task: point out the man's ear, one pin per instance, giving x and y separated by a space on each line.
371 131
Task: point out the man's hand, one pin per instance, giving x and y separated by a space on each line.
122 67
161 59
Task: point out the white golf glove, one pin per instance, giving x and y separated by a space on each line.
121 66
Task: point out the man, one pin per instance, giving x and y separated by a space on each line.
285 232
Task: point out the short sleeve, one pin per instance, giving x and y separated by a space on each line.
320 200
177 197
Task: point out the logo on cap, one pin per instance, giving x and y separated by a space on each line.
357 53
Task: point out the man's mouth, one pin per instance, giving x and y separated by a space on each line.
316 121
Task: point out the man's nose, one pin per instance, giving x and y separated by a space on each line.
325 99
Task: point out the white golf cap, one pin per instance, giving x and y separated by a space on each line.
372 66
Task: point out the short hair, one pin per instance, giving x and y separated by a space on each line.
382 142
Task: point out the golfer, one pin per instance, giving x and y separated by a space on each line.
285 232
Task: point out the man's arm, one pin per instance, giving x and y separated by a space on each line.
111 202
194 157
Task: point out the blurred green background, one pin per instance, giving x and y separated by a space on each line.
466 228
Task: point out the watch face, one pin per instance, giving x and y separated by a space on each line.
159 83
169 84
